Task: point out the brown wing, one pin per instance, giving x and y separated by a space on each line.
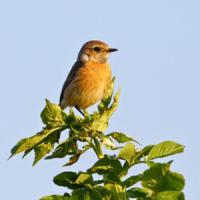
77 65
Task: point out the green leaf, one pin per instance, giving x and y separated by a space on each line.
104 192
142 153
127 152
27 152
175 181
111 109
68 147
84 178
86 194
28 143
75 123
165 149
52 115
106 165
41 150
112 177
107 98
118 192
98 149
15 149
170 195
81 194
137 193
154 178
94 194
73 159
67 179
156 171
44 148
99 121
121 137
101 169
54 197
159 178
132 180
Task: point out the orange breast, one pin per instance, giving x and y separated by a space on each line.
88 86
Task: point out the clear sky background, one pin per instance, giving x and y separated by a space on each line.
157 67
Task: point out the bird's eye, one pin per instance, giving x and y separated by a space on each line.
97 49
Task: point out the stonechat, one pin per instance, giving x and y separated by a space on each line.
89 78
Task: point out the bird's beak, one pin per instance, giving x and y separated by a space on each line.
112 50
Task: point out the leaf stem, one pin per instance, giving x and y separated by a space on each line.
95 146
98 147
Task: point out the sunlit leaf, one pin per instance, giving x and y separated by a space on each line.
121 137
127 152
170 195
52 115
84 178
100 120
165 148
117 191
41 150
105 165
107 98
28 143
44 148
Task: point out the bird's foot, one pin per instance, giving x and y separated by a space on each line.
79 110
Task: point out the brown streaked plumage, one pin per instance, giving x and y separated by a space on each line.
89 77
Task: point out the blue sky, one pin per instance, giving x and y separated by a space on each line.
157 67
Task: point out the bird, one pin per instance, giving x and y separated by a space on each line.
89 78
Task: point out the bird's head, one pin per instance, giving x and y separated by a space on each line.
96 51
